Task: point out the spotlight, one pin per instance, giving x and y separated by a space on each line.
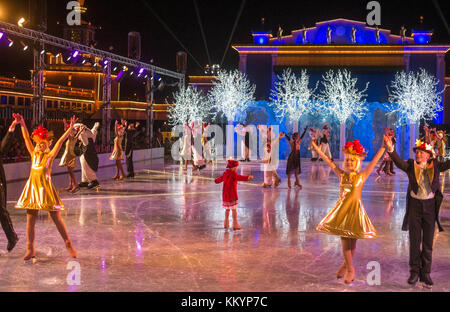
43 51
120 76
84 61
115 68
75 54
141 70
159 79
69 58
131 74
105 62
10 43
146 76
95 64
21 21
1 35
25 48
58 55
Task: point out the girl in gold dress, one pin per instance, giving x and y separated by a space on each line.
348 218
69 158
117 153
39 192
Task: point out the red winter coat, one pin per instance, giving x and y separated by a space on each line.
230 179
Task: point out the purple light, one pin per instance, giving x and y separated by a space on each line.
119 75
141 70
1 35
75 54
105 62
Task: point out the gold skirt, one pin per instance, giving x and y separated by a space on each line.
349 219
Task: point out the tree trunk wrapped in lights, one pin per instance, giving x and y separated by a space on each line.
231 93
414 96
342 99
291 97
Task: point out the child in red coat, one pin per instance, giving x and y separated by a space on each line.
229 192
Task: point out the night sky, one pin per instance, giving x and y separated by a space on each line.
117 18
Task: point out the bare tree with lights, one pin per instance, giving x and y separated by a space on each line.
342 98
231 93
414 96
190 105
292 97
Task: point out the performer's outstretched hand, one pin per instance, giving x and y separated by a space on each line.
13 125
387 140
73 121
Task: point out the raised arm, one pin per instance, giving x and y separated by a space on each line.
400 163
115 127
219 180
25 134
59 143
337 171
7 138
368 170
303 134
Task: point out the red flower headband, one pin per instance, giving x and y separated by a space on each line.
42 134
354 148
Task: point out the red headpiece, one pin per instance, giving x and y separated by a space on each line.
41 134
232 163
354 148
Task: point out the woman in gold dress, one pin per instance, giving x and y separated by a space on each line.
39 192
117 153
69 158
348 218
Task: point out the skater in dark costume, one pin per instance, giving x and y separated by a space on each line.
5 219
89 159
130 140
293 162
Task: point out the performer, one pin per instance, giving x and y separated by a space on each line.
130 139
269 137
5 219
269 168
229 192
348 218
197 147
117 153
377 34
440 144
324 142
244 131
293 162
387 161
186 151
39 192
423 201
69 159
89 159
329 35
206 144
314 134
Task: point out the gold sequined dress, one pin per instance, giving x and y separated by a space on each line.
69 158
117 153
39 192
348 217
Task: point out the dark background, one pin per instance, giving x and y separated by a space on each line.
116 18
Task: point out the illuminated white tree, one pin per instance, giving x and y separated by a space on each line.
342 98
231 93
190 105
291 96
414 96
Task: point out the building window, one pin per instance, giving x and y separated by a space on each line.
20 101
89 107
55 104
49 104
3 99
11 100
84 106
74 106
27 101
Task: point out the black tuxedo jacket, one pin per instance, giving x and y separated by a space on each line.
434 168
3 148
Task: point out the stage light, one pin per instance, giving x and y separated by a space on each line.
84 61
1 35
141 70
105 62
69 58
131 74
42 51
146 76
11 43
95 64
25 48
21 21
75 54
115 68
58 55
159 79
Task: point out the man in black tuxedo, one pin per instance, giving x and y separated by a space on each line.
423 200
130 137
5 219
